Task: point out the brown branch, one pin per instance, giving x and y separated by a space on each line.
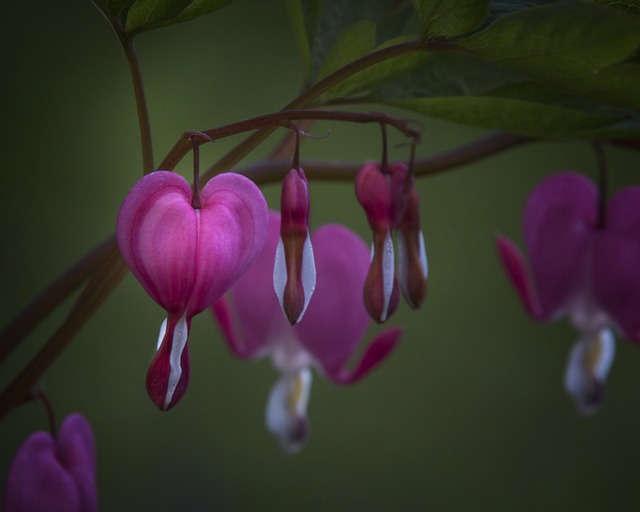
51 297
269 171
276 119
105 278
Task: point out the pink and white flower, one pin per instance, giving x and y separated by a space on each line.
584 264
334 324
186 257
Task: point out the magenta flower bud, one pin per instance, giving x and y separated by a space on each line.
56 474
327 336
294 273
382 198
186 257
412 256
582 268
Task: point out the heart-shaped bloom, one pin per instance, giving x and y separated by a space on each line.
56 474
186 257
584 264
294 272
334 324
391 204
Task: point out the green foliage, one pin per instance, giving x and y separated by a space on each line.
539 68
329 25
450 18
134 16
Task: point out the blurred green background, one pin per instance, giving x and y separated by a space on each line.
468 414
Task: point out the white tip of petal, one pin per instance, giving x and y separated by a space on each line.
280 272
308 273
180 335
387 274
587 368
423 256
163 331
286 413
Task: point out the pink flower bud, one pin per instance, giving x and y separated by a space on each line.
294 276
412 256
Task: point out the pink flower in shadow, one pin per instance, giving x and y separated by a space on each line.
584 264
56 474
333 325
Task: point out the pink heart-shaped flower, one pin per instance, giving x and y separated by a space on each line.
186 257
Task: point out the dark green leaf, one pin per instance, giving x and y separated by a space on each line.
300 31
150 14
512 115
444 74
631 6
559 41
450 18
327 22
356 41
364 80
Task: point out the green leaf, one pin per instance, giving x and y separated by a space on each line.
450 18
447 74
327 22
365 80
630 6
562 40
356 41
113 9
513 115
150 14
300 31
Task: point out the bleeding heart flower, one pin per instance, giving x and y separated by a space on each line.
333 326
187 257
56 474
584 264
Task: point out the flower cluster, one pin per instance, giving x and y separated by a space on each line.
326 338
391 203
584 264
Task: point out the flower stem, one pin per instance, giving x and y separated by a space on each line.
141 103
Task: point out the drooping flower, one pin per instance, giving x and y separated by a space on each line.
294 273
391 204
584 264
333 326
56 474
186 257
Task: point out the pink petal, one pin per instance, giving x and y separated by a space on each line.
377 351
616 268
381 293
254 318
157 236
54 475
168 374
233 228
559 221
336 319
517 271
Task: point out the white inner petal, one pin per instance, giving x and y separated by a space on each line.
286 412
387 274
423 256
280 273
180 335
308 273
163 331
589 363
